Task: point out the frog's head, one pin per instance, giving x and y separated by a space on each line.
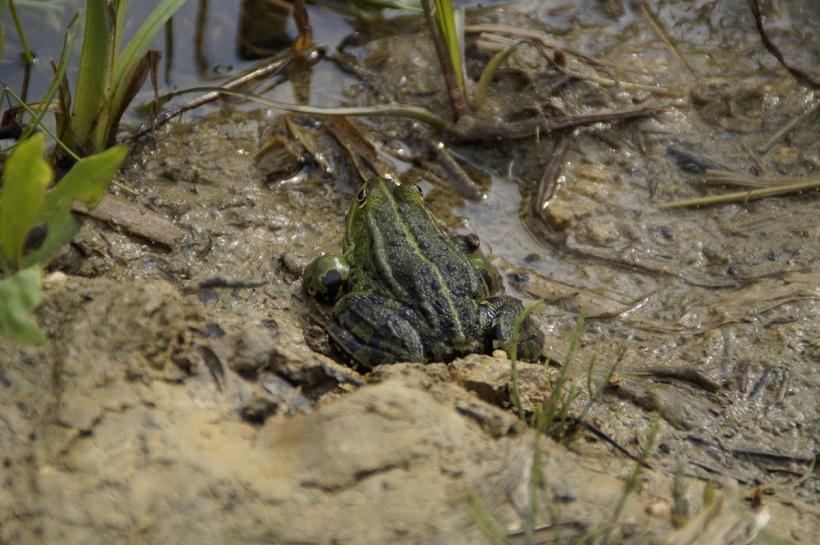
377 207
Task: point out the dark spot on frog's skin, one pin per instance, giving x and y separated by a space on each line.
532 258
771 256
733 271
666 233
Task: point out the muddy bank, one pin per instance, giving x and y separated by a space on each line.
186 394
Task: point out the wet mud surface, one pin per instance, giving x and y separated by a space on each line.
187 395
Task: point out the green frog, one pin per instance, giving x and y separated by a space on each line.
405 291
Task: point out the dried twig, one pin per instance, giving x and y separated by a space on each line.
358 147
727 177
548 184
743 196
266 70
495 44
532 35
528 128
663 35
134 218
788 126
454 172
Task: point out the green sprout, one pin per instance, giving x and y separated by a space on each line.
36 221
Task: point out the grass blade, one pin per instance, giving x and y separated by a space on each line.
807 184
20 32
448 19
441 21
133 53
489 73
390 110
45 127
69 40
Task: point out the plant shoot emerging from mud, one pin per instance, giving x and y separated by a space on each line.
36 221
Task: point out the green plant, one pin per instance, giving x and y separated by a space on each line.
446 24
36 221
109 76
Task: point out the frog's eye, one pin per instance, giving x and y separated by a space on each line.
361 195
420 191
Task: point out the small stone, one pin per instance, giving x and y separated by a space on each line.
785 156
55 279
253 349
601 232
500 354
258 409
589 172
291 263
659 509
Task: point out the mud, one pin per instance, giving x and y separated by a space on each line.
187 395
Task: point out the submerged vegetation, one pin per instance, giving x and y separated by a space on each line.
109 75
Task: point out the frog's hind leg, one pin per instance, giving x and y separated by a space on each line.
374 329
498 315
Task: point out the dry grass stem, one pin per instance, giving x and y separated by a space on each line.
806 184
493 43
662 34
788 126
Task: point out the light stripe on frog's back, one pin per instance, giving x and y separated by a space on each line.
406 268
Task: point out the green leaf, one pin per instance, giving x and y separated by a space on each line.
127 62
19 296
25 179
489 73
92 92
61 230
87 181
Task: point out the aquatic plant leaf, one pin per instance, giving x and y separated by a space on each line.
448 18
87 181
19 296
126 63
92 91
442 20
147 64
489 73
25 178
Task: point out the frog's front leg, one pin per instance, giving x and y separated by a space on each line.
498 315
325 277
374 329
